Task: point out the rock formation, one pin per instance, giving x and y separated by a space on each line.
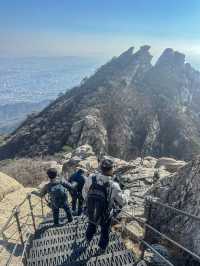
180 190
127 108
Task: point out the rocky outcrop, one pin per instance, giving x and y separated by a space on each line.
90 130
127 109
137 175
180 190
170 164
82 157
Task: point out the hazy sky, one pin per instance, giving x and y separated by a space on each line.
98 27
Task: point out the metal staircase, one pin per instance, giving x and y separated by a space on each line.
66 246
36 242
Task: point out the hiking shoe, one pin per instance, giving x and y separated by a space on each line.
101 251
58 225
70 220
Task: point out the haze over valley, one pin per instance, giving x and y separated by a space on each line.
29 84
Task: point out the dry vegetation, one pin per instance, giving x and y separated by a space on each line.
29 172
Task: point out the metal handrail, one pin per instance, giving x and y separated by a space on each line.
157 253
7 223
153 200
22 225
150 247
163 235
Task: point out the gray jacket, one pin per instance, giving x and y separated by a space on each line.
116 195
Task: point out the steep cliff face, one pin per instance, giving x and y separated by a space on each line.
126 108
180 190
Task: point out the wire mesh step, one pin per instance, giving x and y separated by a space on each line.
76 219
82 250
66 229
70 234
66 245
48 241
117 258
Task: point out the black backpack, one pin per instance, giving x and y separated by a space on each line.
98 201
57 195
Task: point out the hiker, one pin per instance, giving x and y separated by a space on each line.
57 194
77 180
101 193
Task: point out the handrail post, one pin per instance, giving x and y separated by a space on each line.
16 214
42 207
149 212
31 209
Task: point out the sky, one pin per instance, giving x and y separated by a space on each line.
98 27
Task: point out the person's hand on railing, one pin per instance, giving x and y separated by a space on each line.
36 193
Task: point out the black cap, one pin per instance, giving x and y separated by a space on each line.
106 165
80 171
52 173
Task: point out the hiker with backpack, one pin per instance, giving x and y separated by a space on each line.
101 194
77 180
56 190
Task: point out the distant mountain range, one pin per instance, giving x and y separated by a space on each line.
128 108
29 84
11 115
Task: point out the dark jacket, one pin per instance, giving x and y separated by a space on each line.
46 188
79 179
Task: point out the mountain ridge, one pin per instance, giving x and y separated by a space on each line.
127 108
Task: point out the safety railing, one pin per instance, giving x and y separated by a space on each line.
19 227
26 224
145 224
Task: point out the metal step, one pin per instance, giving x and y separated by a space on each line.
66 246
70 234
117 258
48 241
76 219
65 229
82 250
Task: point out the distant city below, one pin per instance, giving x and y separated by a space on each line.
29 84
37 79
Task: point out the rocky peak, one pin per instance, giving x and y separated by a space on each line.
126 108
127 54
171 58
143 53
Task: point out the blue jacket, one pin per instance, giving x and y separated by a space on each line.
79 179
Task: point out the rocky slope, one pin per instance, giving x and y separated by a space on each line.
128 107
180 190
